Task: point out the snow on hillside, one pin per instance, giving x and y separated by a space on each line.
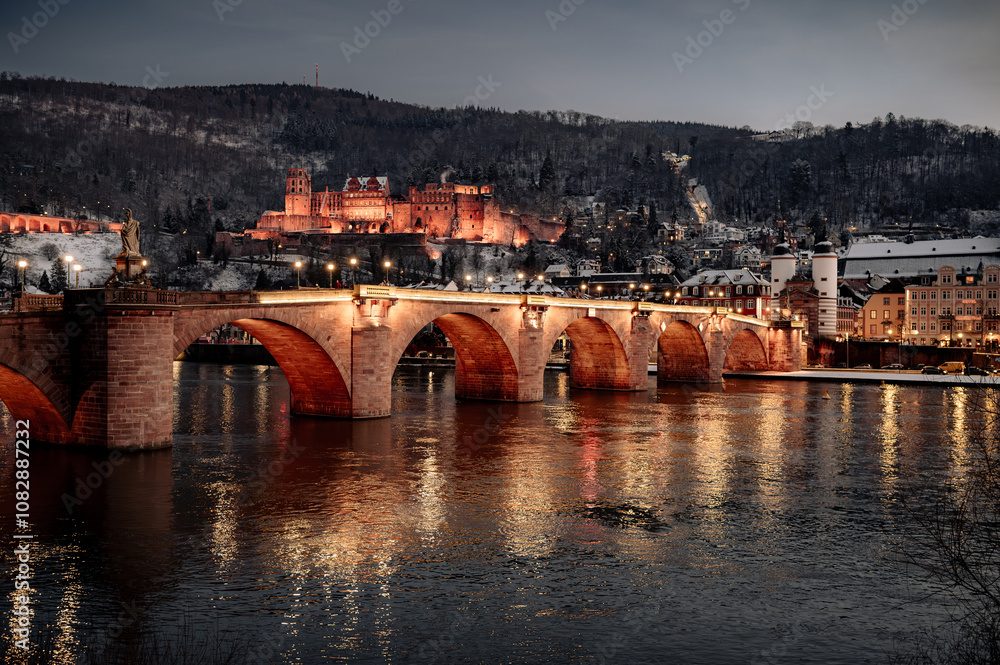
94 252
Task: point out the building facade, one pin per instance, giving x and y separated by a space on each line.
439 210
741 291
954 307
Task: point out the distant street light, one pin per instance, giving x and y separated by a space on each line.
69 261
77 268
298 272
22 265
489 284
387 264
468 281
329 268
599 289
354 263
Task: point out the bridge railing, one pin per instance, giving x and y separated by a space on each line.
32 302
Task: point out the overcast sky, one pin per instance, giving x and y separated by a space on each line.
732 62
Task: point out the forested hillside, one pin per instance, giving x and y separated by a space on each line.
201 158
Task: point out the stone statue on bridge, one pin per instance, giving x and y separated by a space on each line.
130 235
130 266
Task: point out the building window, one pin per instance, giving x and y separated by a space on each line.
885 301
933 327
913 327
694 291
991 278
874 329
899 302
739 290
923 327
885 315
946 295
900 314
946 279
923 295
874 314
739 304
933 311
913 311
933 295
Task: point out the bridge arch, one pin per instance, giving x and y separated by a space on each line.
746 352
485 366
26 401
598 360
315 378
681 354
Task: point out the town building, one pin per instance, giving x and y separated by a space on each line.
741 291
955 307
884 314
917 259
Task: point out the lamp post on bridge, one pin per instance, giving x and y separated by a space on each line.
388 280
330 268
298 271
77 268
354 263
22 266
69 266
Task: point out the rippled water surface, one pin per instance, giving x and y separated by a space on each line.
751 521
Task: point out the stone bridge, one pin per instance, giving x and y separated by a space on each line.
97 368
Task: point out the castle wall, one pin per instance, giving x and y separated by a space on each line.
445 210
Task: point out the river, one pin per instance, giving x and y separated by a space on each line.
750 522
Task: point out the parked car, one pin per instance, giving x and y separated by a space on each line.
841 365
863 366
816 366
952 367
892 366
931 369
975 371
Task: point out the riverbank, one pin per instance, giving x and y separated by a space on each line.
875 376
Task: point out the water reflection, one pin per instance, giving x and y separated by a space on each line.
532 530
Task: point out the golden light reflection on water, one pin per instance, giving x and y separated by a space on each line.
371 507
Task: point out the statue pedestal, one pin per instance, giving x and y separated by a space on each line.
130 270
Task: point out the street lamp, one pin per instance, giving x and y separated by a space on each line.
645 291
354 263
69 264
77 268
489 284
468 282
387 264
298 271
329 268
520 282
599 289
22 265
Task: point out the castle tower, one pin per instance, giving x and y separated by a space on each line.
782 270
298 192
825 281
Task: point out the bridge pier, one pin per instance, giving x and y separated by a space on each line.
124 382
532 357
371 375
784 347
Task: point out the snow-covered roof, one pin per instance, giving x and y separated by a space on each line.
900 259
711 277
